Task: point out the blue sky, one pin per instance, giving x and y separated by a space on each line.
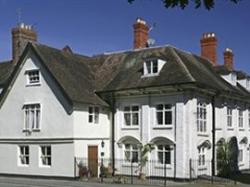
97 26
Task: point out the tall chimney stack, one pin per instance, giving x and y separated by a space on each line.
228 59
21 35
208 47
141 30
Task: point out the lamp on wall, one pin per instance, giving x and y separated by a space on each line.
102 144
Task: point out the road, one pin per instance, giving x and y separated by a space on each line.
38 182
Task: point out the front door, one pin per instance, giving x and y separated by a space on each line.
93 160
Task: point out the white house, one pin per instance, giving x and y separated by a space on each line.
57 106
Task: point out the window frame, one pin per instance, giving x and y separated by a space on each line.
131 151
46 156
93 117
164 152
241 118
149 65
201 157
201 117
35 110
23 155
229 117
131 113
241 155
163 111
28 75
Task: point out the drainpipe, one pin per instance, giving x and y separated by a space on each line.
213 135
113 132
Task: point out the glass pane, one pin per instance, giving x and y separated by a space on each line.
97 110
168 117
168 106
160 157
160 147
49 161
135 108
48 150
90 118
134 156
27 150
90 110
126 108
155 66
127 119
148 64
127 146
167 157
159 107
127 155
135 119
96 118
134 147
159 116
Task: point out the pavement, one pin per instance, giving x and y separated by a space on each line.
38 182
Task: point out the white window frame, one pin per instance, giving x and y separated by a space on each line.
164 151
241 156
33 74
23 155
201 156
201 117
45 158
229 117
32 117
163 111
94 113
130 112
149 65
131 149
241 118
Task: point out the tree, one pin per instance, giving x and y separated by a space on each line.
208 4
144 150
227 158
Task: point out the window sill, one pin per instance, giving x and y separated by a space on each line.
33 130
218 129
202 168
34 84
241 129
203 134
23 165
150 75
36 130
161 166
163 127
128 164
130 128
230 128
45 166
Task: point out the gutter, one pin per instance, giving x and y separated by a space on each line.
113 133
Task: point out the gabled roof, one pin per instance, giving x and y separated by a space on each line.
124 71
72 72
5 71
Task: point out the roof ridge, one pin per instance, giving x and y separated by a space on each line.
182 64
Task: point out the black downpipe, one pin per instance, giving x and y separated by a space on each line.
213 136
113 132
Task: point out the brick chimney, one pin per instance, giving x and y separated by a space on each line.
208 47
228 59
141 30
21 35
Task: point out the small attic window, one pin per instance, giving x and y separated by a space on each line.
152 67
33 77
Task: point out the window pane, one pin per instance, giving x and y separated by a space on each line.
127 119
148 64
168 106
155 66
160 147
134 156
126 108
159 107
90 110
167 157
135 119
159 118
168 117
90 118
160 157
135 108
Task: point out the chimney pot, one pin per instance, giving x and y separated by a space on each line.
21 35
228 59
209 47
141 31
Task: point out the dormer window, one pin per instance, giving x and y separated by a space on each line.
33 77
152 67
